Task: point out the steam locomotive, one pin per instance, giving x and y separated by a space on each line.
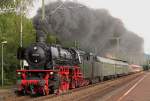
51 69
55 69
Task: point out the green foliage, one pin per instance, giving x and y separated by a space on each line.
68 44
146 67
51 39
7 3
10 31
18 6
15 3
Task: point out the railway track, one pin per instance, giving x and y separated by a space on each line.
83 93
78 94
11 97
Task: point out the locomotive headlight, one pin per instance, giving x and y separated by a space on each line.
19 73
51 73
35 48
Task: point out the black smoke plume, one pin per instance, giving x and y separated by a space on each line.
95 30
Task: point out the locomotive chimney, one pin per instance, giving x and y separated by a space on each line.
40 36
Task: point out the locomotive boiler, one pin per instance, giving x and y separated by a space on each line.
46 56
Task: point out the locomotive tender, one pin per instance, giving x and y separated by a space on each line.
54 69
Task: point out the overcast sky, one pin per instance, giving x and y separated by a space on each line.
135 14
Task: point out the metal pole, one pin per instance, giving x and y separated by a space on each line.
78 45
21 62
148 62
2 67
117 55
75 44
21 26
43 10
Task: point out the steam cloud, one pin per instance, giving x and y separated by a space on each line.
95 30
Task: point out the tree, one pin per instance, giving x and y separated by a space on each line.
10 31
7 3
16 6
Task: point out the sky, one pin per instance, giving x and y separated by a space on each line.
135 14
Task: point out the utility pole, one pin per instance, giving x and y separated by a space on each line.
2 58
118 46
21 25
76 44
43 10
21 62
2 66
